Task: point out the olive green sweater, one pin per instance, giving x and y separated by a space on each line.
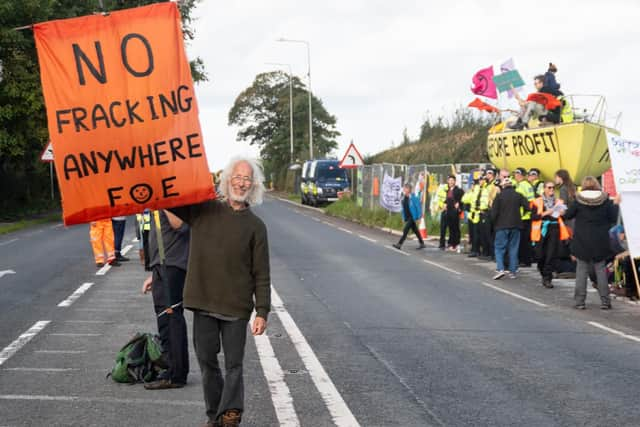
228 260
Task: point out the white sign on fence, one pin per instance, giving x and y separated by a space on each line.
625 162
391 194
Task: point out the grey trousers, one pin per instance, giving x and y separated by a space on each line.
582 273
220 394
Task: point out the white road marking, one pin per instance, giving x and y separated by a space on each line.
16 345
398 251
126 249
90 321
614 331
280 394
340 412
435 264
345 230
327 223
56 226
135 240
74 335
41 369
61 351
315 219
8 241
367 238
102 399
103 270
5 272
74 296
513 294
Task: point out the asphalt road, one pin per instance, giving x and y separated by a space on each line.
365 335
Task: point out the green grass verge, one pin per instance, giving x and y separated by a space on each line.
25 223
348 209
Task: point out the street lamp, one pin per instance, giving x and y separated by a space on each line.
290 104
281 39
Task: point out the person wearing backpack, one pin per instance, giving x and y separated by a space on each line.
228 270
172 327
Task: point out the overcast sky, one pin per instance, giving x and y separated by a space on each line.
379 66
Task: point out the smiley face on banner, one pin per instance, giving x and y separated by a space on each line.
122 113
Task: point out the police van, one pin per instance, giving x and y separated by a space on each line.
324 180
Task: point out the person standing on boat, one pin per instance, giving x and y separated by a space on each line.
550 78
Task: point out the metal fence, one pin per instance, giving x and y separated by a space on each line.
370 178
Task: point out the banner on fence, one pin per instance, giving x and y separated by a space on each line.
391 194
625 162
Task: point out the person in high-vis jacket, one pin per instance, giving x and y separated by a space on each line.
101 236
144 227
523 187
469 199
548 231
484 225
441 197
533 176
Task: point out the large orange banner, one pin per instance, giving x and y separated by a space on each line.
122 113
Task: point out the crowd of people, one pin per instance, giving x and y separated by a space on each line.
517 219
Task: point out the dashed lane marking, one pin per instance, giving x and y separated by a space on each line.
345 230
5 272
280 394
75 295
367 238
8 241
126 249
513 294
340 412
103 270
435 264
398 251
16 345
614 331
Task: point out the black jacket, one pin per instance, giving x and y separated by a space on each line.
457 198
594 214
505 211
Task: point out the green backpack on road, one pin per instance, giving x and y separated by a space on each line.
139 360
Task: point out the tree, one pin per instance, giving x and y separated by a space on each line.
262 113
24 180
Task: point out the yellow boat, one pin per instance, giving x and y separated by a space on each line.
580 147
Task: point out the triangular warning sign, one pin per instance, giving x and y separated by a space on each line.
352 158
47 153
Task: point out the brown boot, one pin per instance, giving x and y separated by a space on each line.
231 418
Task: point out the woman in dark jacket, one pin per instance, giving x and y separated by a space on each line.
594 215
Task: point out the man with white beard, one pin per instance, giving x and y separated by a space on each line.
228 267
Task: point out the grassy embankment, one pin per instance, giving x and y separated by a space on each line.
9 227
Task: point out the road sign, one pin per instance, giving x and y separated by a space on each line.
47 154
352 158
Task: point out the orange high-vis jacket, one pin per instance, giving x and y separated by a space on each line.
536 225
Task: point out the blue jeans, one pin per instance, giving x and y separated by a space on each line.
507 239
118 234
